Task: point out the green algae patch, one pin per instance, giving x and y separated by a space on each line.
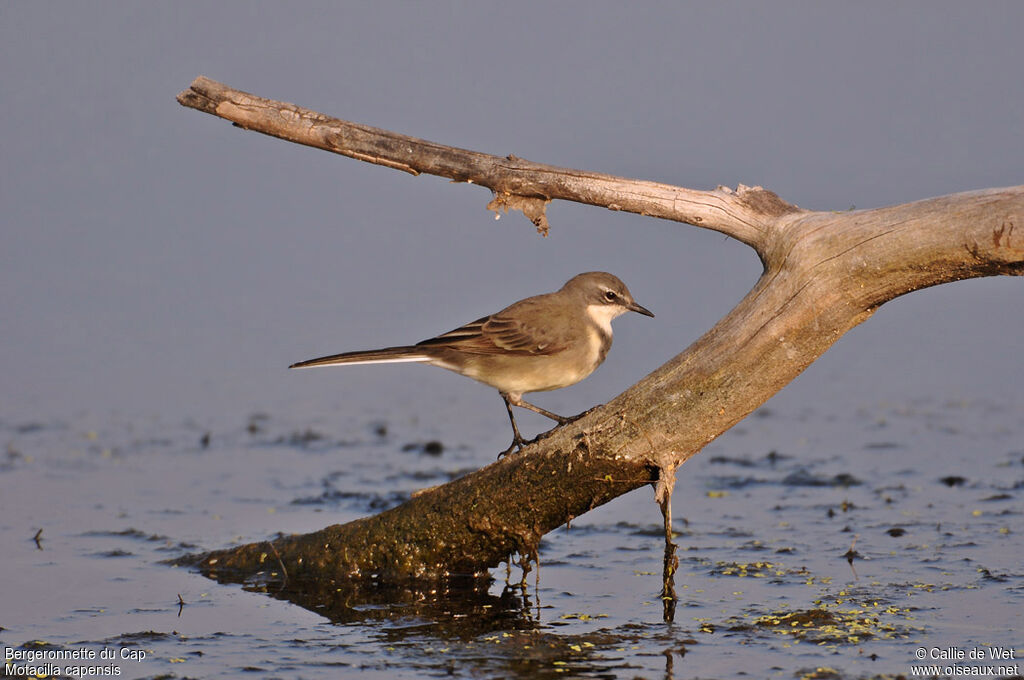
752 569
832 623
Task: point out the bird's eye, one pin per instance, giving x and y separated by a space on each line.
610 296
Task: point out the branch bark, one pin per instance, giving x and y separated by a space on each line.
516 183
824 273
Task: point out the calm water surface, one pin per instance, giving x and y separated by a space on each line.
926 497
154 260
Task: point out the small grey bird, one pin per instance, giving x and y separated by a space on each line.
541 343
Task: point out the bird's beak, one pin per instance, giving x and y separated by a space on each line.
634 307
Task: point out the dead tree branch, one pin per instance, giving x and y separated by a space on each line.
516 183
824 273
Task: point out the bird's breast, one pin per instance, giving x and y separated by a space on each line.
599 342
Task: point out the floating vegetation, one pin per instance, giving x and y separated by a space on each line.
833 623
755 569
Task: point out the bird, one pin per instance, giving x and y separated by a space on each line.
540 343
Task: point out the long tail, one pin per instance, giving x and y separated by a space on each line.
388 355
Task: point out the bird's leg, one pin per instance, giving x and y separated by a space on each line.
515 400
517 439
561 420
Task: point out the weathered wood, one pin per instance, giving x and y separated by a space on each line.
824 273
459 528
514 181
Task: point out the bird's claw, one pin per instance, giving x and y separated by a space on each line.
517 443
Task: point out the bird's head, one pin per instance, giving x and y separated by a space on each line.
605 295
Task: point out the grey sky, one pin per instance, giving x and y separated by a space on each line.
156 260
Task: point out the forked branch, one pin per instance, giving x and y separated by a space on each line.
824 273
516 183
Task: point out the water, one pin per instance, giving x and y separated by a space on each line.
926 496
160 269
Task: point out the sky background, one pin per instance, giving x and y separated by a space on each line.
156 262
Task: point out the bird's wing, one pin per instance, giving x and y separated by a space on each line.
511 331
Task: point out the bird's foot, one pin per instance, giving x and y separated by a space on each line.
517 443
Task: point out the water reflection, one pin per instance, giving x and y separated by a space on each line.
460 608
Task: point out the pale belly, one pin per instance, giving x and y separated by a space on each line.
524 373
